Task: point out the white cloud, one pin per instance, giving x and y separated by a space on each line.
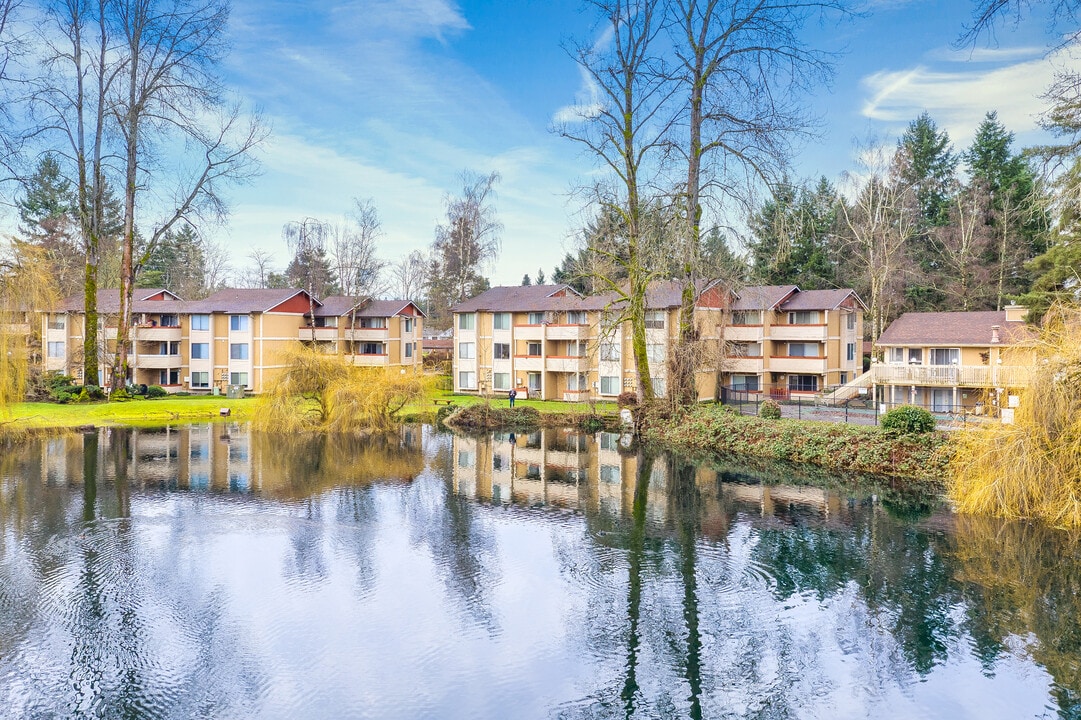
958 100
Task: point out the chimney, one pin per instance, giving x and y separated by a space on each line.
1016 313
994 334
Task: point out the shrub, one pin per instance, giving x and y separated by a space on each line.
93 392
62 397
156 391
908 420
120 395
770 410
627 399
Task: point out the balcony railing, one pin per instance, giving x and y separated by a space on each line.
951 375
528 363
742 365
157 362
814 333
366 334
528 332
157 333
567 332
322 334
743 333
798 365
370 360
564 363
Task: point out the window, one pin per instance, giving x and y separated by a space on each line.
533 349
945 356
501 381
608 441
169 348
850 351
467 350
467 380
200 322
238 378
658 386
656 353
747 317
844 378
238 351
747 350
57 322
239 323
655 319
803 317
577 381
379 323
407 325
466 459
575 317
55 349
745 383
200 351
610 352
609 385
501 351
467 321
851 321
610 474
576 348
536 318
409 350
897 355
802 349
200 379
371 349
803 383
534 381
170 321
501 321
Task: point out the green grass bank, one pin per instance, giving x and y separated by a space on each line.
136 412
836 446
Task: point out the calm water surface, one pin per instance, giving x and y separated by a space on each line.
208 572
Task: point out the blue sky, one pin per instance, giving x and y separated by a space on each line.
391 99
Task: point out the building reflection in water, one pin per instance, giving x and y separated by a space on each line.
228 458
596 473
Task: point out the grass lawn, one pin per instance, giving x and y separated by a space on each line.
436 399
134 412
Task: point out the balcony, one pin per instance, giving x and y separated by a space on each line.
575 395
528 363
157 333
799 333
567 332
157 362
951 375
564 363
365 334
322 334
742 365
369 360
797 365
743 333
529 332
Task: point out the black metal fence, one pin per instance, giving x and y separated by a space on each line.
861 410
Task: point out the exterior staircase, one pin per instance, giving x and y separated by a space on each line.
847 391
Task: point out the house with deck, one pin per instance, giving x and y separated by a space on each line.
953 361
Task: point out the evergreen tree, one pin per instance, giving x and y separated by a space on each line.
47 212
540 276
525 280
926 162
311 267
792 236
178 264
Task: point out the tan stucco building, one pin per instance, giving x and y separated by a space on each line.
234 337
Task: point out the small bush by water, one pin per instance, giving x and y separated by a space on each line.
908 419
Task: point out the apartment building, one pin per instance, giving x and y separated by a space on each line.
953 361
785 342
234 337
553 343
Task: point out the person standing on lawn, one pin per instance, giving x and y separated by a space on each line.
511 395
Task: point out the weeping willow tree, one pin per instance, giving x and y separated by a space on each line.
26 286
1032 467
322 392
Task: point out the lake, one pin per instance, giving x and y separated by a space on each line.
211 572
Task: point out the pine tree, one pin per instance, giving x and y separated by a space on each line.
178 264
312 269
47 212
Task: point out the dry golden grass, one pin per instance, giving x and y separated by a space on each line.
26 282
1032 468
320 392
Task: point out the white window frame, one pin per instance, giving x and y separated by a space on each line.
467 321
205 355
501 321
239 351
467 380
612 381
239 323
467 351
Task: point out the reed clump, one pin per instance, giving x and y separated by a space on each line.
1031 468
323 392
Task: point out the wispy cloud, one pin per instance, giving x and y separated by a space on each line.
959 99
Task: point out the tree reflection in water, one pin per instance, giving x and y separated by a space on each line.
672 591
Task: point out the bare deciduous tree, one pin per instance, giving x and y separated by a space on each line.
307 238
409 276
354 251
260 266
624 127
